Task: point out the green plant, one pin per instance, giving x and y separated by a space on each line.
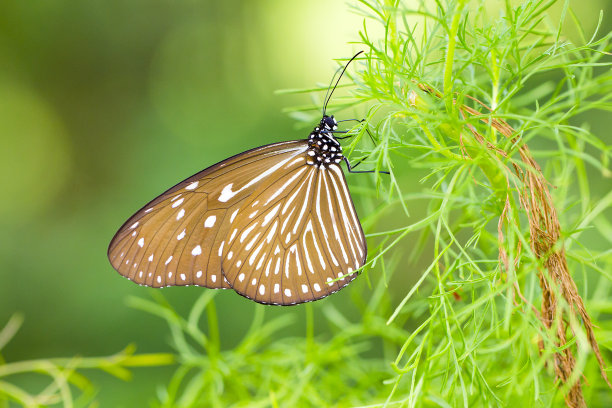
65 384
507 239
494 318
468 298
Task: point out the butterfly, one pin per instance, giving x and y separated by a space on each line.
276 224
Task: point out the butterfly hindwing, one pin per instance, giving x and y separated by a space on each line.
298 240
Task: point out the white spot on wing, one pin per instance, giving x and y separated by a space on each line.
276 288
254 255
287 266
227 193
261 261
199 275
293 250
250 244
272 232
288 203
180 214
304 288
270 215
268 267
177 203
192 186
196 251
210 221
181 235
284 186
168 260
314 240
287 218
288 292
241 277
262 290
305 206
141 242
134 225
246 232
317 287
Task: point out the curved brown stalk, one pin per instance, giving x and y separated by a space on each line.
544 234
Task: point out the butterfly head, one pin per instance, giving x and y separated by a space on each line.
328 123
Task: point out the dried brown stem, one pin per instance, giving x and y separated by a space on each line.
544 231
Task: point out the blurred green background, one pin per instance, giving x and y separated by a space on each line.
105 104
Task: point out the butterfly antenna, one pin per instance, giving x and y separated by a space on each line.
328 95
329 89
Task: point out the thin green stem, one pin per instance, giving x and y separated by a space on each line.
450 55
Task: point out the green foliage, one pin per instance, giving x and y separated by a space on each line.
267 368
467 332
436 320
478 341
63 382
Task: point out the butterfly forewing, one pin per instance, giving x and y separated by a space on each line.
297 240
177 238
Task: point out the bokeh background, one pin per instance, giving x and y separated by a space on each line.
106 103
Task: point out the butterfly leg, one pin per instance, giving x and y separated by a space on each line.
341 132
351 120
350 168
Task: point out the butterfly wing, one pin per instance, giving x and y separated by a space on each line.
177 239
296 239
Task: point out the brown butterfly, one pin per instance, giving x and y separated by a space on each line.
276 224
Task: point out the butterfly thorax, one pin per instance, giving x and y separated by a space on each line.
323 148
